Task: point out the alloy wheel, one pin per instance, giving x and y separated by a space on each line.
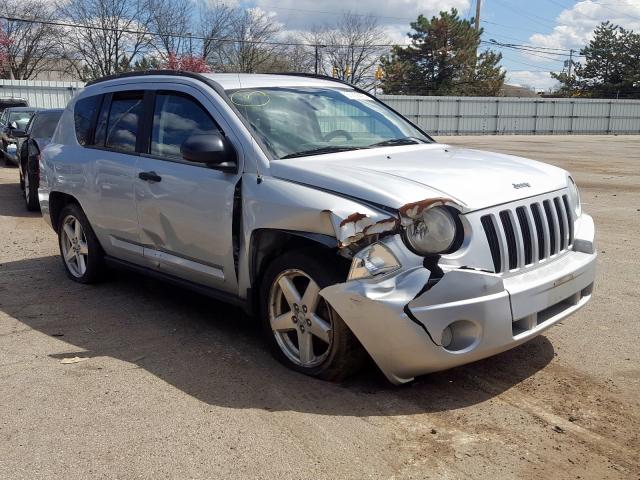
75 250
301 320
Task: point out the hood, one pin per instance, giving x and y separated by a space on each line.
395 176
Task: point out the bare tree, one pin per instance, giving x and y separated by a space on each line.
297 57
216 21
31 47
114 36
172 20
352 48
255 33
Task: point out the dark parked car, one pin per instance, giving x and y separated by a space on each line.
12 102
36 136
13 121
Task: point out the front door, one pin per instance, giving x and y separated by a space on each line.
185 209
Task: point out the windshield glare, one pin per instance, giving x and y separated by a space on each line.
304 121
21 118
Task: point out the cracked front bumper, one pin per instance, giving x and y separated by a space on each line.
405 331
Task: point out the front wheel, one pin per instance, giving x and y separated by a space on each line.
302 329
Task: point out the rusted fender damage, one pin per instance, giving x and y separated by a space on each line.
354 227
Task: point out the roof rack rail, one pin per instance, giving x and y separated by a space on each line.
144 73
315 75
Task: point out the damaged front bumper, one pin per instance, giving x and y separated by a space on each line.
467 315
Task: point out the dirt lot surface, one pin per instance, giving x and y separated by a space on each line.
179 386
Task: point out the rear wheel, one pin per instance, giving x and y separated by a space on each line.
81 253
30 182
302 329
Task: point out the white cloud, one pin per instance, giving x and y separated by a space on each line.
573 29
574 26
302 14
526 78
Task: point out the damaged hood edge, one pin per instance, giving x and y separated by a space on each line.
397 176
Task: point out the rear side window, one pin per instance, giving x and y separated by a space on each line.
123 122
175 118
84 112
44 124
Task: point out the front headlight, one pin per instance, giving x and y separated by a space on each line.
574 197
372 261
433 233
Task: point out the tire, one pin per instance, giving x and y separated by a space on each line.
30 191
335 353
89 268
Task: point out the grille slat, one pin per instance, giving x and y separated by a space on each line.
492 238
565 201
527 238
562 222
552 221
528 234
510 235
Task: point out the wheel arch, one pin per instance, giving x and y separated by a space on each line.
57 201
267 244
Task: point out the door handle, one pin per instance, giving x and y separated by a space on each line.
149 176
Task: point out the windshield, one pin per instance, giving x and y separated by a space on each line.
301 121
21 118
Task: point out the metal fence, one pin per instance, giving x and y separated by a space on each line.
41 94
510 115
440 115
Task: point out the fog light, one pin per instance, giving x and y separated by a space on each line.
447 337
461 335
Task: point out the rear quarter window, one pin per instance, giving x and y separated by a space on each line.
84 112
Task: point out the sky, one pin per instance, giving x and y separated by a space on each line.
557 24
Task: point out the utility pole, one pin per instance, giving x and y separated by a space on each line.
318 56
570 62
477 15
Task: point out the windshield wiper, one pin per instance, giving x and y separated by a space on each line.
320 151
398 141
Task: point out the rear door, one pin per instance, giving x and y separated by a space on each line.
185 209
114 156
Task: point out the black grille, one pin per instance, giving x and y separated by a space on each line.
567 208
551 224
492 238
537 218
511 239
528 234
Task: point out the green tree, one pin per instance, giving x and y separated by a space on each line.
442 60
611 66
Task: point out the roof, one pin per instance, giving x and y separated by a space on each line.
22 109
230 81
516 91
50 110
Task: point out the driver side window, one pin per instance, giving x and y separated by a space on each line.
175 118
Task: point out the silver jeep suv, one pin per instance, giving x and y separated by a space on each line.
307 201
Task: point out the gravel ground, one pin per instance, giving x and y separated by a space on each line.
179 386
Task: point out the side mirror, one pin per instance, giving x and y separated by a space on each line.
13 126
212 149
18 133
